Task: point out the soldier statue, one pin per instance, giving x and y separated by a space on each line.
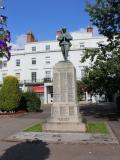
64 42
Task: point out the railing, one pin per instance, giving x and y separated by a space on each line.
33 81
47 80
44 80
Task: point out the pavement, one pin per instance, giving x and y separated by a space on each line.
39 150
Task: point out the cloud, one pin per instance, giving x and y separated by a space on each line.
20 42
82 30
95 32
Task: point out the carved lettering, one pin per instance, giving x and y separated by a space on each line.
71 111
71 87
63 86
63 119
56 88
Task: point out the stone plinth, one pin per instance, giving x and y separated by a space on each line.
65 115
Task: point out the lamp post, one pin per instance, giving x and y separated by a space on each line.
4 35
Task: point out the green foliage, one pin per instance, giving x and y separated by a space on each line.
30 102
105 14
34 128
104 74
9 94
81 88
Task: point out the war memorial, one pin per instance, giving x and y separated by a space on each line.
65 116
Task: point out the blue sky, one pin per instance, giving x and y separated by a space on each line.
44 17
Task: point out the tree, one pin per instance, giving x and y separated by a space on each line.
81 89
30 102
104 75
10 94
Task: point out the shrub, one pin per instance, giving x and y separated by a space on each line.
30 102
81 88
118 104
9 94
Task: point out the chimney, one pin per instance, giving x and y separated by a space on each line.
30 37
90 29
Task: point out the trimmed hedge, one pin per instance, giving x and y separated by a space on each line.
10 94
30 102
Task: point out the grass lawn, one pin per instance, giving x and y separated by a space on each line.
92 127
97 127
34 128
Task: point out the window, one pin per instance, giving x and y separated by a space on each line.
4 64
83 72
17 62
33 49
47 74
33 76
33 60
17 76
47 60
47 47
82 45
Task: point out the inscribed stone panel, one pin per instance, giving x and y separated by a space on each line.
54 111
71 87
62 111
63 86
71 111
56 87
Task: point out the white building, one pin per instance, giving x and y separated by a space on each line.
33 65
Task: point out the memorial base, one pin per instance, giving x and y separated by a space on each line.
65 116
64 127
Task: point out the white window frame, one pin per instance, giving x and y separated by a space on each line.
17 62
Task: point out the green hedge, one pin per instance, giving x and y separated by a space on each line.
9 94
30 102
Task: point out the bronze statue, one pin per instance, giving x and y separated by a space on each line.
64 42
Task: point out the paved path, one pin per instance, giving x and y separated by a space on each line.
9 126
42 151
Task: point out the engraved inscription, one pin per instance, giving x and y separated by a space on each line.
71 87
63 119
56 88
71 111
63 86
62 111
54 111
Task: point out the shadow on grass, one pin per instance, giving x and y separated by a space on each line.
100 111
35 150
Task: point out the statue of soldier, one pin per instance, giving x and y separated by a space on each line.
64 42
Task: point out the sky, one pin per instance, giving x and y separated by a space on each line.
44 17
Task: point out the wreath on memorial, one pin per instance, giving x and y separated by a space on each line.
4 36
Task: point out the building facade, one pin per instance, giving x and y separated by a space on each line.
33 65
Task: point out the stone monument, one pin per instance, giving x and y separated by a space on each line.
65 115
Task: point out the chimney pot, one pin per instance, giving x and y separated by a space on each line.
30 37
89 29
